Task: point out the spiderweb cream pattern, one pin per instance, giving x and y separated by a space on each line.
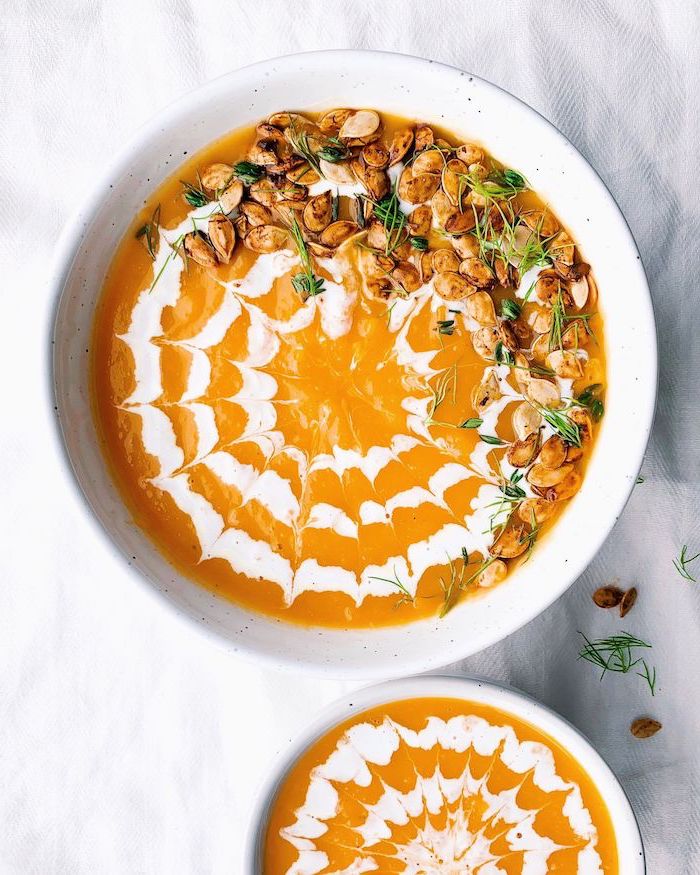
432 824
356 442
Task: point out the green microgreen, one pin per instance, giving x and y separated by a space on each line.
474 422
446 326
503 355
248 172
501 184
619 653
590 398
419 243
195 195
510 309
492 439
510 486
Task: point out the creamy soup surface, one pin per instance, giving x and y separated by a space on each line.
350 371
438 787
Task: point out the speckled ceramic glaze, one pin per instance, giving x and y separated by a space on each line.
517 136
628 839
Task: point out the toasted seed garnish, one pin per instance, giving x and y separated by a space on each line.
543 477
445 259
488 391
465 246
337 233
553 453
541 221
578 290
318 212
544 393
494 573
522 452
452 287
417 189
460 223
645 727
231 195
375 155
540 508
266 238
256 213
216 176
362 123
420 220
526 420
197 248
568 487
426 265
424 137
332 121
264 192
470 154
565 364
608 596
628 601
453 182
477 272
509 336
512 542
400 144
407 276
484 341
430 161
479 307
222 235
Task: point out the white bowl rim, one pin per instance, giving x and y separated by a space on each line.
66 250
472 689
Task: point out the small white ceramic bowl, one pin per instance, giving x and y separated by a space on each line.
513 133
629 842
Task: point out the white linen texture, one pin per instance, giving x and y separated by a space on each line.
130 744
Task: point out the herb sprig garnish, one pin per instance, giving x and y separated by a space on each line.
331 149
406 597
457 581
562 424
388 211
149 233
174 249
195 195
681 564
248 172
590 398
446 326
446 383
307 284
510 309
501 184
619 653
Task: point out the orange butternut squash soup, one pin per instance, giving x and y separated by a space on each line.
350 363
438 787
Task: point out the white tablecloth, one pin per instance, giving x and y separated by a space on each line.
128 744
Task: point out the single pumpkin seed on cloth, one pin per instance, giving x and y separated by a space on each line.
608 596
645 727
628 601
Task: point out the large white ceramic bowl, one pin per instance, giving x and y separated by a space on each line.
628 839
514 134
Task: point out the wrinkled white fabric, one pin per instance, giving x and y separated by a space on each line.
128 744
